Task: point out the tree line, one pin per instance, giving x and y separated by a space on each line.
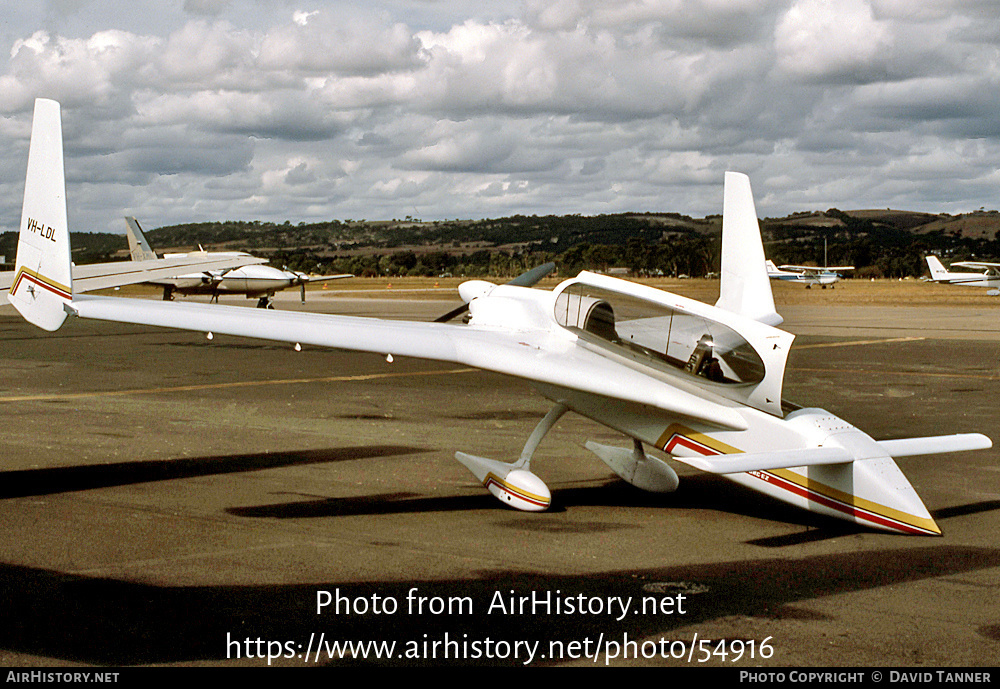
643 243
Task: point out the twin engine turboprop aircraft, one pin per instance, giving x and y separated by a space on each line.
250 279
701 383
94 276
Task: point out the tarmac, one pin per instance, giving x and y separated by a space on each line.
170 500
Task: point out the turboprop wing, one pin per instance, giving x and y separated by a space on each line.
698 382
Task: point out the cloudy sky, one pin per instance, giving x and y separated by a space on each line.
194 110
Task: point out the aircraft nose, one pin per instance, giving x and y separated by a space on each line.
871 490
877 494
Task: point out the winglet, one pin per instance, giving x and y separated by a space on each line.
137 244
745 287
43 272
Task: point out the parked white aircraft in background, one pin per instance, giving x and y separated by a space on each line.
810 275
95 276
990 277
250 279
699 382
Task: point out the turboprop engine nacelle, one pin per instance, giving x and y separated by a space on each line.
511 484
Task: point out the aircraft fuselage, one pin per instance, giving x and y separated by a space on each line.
870 491
253 281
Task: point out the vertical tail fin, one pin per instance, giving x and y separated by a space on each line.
938 271
137 244
745 287
43 277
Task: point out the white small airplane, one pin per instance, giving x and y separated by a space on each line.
810 275
701 383
990 277
251 278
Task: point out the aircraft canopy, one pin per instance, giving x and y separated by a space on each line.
656 335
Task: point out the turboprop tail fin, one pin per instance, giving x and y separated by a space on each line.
137 244
745 287
43 272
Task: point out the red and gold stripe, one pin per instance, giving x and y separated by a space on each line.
494 480
679 436
36 278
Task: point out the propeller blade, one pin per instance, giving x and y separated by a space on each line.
533 276
454 313
527 279
303 291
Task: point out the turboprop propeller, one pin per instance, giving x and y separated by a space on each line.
301 279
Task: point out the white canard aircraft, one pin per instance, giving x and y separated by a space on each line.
990 277
250 279
810 275
699 382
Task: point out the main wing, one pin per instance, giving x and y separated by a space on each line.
990 268
535 354
817 269
528 347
